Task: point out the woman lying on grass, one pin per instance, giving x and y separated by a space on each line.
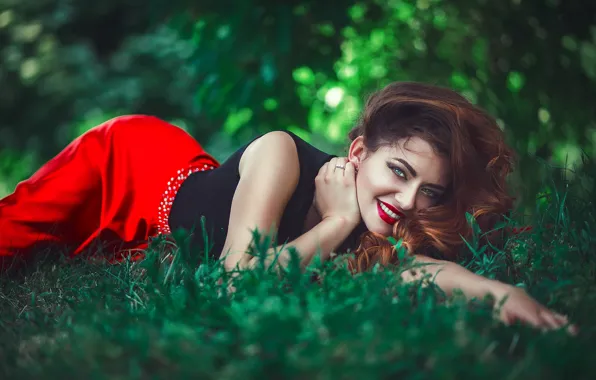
420 158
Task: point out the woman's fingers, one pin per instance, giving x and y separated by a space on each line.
337 166
350 171
561 318
340 165
323 170
520 307
331 168
564 321
549 321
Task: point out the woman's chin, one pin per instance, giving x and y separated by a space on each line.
379 227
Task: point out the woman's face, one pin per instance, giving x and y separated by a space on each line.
395 181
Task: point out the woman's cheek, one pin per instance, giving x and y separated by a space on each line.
384 184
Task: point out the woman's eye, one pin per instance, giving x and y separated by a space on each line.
399 172
429 193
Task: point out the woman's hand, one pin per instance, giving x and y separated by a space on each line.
519 306
335 191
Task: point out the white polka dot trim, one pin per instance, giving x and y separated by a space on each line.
172 187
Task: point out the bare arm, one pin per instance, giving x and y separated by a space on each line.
269 172
450 276
335 201
518 306
323 238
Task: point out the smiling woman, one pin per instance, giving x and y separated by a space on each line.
419 160
390 186
429 156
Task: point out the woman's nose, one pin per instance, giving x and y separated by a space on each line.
406 199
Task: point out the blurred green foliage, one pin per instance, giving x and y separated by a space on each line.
227 70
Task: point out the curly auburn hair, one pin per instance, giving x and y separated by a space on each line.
479 158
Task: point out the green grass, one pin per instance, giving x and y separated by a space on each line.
172 319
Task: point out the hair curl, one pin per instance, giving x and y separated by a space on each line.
480 161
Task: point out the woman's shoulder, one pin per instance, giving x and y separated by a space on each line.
283 143
284 137
272 140
275 145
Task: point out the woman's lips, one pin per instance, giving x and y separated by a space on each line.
386 217
391 208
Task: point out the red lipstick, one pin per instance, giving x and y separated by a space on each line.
386 217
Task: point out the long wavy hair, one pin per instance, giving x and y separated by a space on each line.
480 161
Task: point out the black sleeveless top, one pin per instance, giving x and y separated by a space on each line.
210 194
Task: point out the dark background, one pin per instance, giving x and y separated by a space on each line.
227 70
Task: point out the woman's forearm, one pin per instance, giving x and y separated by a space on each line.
450 276
323 238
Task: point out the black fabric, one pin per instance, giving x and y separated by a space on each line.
210 194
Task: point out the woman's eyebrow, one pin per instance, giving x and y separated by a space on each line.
437 187
407 165
414 173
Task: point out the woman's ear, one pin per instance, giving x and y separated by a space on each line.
357 151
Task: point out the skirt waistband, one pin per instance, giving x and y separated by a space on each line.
172 187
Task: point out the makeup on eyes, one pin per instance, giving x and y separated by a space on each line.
395 168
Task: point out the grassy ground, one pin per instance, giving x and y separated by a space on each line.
162 319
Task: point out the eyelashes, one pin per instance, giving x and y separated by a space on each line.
401 174
397 170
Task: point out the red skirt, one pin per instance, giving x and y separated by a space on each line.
108 191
